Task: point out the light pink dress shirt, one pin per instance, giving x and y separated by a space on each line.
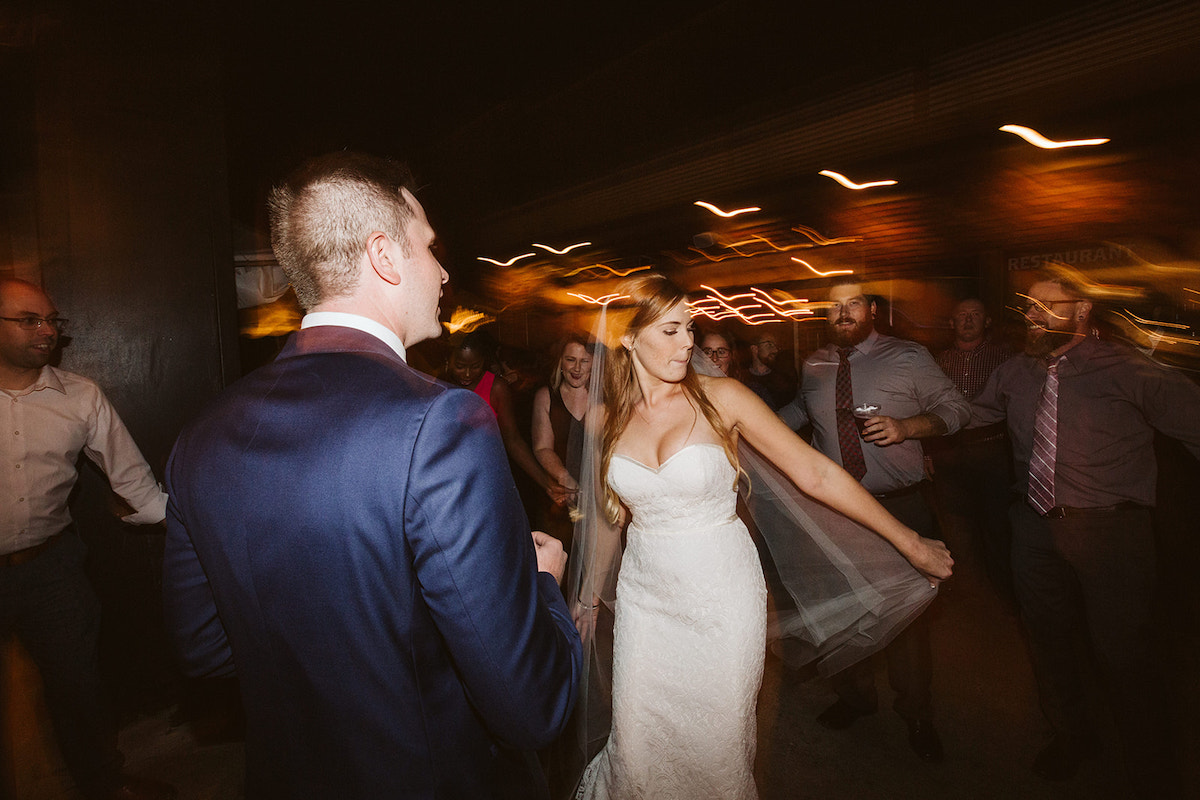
43 428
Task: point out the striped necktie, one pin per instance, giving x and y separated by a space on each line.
848 440
1045 443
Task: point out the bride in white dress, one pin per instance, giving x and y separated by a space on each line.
690 594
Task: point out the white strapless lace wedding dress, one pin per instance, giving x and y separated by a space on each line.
689 638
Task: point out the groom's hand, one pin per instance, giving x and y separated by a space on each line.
550 555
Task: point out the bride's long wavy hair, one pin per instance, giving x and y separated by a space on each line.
649 298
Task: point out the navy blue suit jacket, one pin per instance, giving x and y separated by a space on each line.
345 536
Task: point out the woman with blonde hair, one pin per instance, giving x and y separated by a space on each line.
690 597
557 427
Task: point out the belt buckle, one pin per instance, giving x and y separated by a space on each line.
1058 512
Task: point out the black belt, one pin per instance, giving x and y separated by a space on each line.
970 436
28 554
1063 512
901 492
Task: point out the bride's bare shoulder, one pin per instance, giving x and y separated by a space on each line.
722 389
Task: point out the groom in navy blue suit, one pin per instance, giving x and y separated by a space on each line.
345 536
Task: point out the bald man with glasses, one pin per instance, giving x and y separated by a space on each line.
49 417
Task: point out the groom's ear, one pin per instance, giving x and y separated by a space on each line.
383 254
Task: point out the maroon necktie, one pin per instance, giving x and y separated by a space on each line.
1045 443
848 440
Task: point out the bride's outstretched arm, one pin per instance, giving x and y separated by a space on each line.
819 477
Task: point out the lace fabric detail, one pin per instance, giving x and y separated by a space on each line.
690 637
666 500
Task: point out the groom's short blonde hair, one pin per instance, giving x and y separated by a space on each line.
323 214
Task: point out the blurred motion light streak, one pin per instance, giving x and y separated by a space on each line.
821 240
564 251
1154 322
735 245
614 271
717 259
849 184
755 307
1046 308
508 263
599 301
726 214
823 274
1157 337
1037 140
466 320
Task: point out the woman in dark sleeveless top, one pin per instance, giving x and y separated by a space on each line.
558 411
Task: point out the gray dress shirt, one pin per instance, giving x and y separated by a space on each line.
897 375
1111 399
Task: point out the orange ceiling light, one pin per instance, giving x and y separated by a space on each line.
755 307
563 251
598 301
726 214
611 270
849 184
508 263
1037 140
816 271
822 241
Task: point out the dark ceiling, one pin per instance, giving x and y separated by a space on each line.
404 79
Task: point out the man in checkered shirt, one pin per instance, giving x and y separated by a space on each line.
972 469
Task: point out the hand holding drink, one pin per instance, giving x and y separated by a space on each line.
862 413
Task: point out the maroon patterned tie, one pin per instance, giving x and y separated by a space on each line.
848 441
1045 443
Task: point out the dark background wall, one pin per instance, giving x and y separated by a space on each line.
116 201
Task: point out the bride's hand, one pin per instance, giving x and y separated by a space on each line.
932 559
585 617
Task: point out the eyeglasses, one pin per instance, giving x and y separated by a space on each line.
1044 305
716 352
767 344
35 323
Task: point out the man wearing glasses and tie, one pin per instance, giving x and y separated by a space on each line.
1081 413
48 417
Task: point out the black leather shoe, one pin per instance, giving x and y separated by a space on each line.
1060 760
841 715
924 740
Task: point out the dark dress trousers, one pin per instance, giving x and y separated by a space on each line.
345 536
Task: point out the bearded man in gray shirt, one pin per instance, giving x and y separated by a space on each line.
912 399
1083 543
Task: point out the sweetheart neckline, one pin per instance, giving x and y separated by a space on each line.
670 458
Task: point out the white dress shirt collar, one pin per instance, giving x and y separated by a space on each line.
47 379
364 324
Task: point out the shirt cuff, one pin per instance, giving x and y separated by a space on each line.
954 421
154 513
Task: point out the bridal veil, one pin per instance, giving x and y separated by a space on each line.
849 591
